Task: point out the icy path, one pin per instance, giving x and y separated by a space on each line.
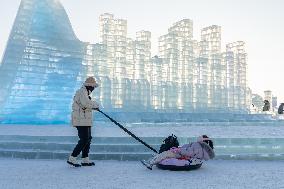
43 174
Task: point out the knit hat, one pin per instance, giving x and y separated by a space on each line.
206 139
90 81
202 138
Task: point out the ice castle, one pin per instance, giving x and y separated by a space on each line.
44 63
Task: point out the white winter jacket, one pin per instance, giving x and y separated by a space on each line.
82 108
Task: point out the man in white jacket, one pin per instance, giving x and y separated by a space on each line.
82 119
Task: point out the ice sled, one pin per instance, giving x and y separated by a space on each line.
174 164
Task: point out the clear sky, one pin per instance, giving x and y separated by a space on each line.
260 23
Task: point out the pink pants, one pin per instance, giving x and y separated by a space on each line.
164 155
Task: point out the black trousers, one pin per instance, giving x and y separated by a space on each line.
84 143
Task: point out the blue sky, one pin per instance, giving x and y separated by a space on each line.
260 23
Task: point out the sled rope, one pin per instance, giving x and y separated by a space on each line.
128 132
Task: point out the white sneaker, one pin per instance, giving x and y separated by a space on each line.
195 161
147 164
86 162
73 161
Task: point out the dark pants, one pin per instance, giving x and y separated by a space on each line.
84 143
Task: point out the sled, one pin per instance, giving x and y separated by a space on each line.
179 168
174 164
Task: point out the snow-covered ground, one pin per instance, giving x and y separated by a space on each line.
107 129
219 174
43 174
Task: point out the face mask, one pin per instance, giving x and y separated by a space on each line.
89 88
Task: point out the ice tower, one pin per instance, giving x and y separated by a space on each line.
42 65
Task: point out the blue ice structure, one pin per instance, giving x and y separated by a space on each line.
41 66
44 63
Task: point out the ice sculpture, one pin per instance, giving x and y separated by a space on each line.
44 63
41 66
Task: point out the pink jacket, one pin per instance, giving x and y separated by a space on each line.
199 150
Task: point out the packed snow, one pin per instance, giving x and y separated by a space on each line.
43 174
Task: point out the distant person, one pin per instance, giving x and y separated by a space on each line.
253 108
82 119
280 109
266 106
201 150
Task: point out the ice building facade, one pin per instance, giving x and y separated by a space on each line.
44 63
202 77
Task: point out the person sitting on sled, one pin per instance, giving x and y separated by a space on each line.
200 150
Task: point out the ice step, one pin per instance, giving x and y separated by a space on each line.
70 146
73 139
31 154
130 140
231 149
107 147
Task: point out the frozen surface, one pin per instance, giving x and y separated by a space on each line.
30 174
106 129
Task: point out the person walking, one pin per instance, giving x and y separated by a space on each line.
82 119
266 106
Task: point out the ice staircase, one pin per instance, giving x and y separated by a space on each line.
126 148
